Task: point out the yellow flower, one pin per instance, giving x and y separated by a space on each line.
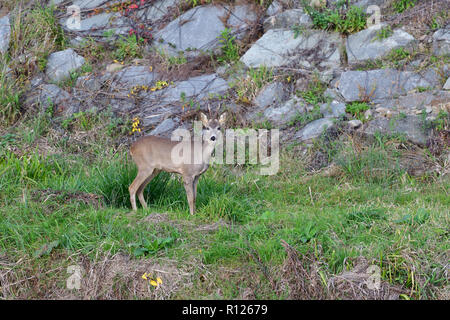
153 283
144 276
159 280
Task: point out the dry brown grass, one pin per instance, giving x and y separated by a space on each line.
305 278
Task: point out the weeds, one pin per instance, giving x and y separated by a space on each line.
357 109
402 5
247 87
384 33
230 51
128 47
350 21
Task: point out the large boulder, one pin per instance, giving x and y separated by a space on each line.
365 45
287 19
89 4
195 88
5 34
282 115
382 83
410 127
60 64
200 28
417 102
132 76
164 127
334 109
314 129
272 93
441 41
157 10
279 47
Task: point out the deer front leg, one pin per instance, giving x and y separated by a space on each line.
189 187
195 188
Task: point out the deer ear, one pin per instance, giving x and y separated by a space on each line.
223 118
204 119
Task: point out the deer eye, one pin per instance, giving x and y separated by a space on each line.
218 128
207 128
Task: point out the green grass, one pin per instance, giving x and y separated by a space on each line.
372 208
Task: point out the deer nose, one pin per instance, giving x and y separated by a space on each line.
213 138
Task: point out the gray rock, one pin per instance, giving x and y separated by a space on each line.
382 83
61 63
164 127
274 8
194 88
314 129
282 115
52 95
410 126
364 45
122 105
335 109
331 94
441 42
241 17
447 84
278 47
99 24
132 76
417 101
89 4
364 4
287 19
5 34
199 29
354 124
89 83
272 93
156 11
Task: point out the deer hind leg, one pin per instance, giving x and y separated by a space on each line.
140 191
134 186
189 187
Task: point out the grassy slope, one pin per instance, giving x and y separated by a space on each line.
395 221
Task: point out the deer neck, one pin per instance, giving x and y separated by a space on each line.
207 150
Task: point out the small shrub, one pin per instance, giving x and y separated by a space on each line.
357 109
230 50
128 47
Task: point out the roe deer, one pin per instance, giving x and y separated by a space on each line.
153 154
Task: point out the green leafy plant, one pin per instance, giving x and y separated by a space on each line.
128 47
148 247
402 5
357 108
298 30
230 50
